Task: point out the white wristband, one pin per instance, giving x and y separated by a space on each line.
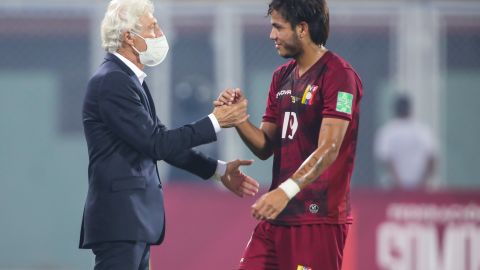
290 188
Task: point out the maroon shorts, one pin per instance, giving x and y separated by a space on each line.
299 247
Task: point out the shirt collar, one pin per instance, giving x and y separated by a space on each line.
138 72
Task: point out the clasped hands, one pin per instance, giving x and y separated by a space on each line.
233 179
233 112
271 204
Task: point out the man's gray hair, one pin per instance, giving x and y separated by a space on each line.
122 16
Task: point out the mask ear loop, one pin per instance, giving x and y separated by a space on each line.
135 49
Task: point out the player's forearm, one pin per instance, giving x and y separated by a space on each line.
316 164
255 139
330 140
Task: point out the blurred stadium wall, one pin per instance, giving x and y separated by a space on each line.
49 49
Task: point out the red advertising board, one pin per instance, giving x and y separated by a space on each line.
208 228
416 230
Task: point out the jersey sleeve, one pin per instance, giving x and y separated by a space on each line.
340 94
270 114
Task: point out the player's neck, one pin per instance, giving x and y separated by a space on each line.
309 57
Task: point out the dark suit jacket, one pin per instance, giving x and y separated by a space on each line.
125 139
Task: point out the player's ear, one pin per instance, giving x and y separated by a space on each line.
302 28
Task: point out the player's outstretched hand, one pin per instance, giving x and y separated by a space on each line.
237 182
270 205
229 96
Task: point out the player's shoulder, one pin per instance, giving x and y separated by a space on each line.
337 66
335 62
285 69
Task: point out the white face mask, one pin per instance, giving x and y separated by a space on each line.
157 49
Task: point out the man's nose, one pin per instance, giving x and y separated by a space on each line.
274 34
158 32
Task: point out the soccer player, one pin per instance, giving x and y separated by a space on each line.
310 127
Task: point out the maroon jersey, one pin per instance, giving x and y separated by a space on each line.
297 105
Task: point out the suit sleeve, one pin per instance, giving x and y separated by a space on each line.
122 111
194 162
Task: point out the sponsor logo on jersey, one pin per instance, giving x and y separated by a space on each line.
283 93
313 208
344 102
309 94
301 267
295 99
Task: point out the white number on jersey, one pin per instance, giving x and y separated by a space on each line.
290 125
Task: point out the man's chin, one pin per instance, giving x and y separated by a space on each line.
284 54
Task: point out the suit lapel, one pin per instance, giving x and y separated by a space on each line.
144 96
142 90
150 100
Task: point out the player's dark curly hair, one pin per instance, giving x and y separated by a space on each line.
313 12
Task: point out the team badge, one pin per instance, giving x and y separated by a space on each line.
313 208
309 94
344 102
301 267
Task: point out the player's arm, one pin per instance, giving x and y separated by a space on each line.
332 132
330 139
258 140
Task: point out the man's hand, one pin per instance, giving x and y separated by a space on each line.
270 205
237 182
230 116
229 96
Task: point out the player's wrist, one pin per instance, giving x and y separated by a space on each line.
290 187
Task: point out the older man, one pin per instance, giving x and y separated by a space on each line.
124 211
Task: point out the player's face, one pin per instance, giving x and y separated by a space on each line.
286 39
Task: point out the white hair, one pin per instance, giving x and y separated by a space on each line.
122 16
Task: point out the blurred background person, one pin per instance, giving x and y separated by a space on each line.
406 148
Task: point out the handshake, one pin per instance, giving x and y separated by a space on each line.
231 108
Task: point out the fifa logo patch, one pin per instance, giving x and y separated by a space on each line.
344 102
301 267
309 94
